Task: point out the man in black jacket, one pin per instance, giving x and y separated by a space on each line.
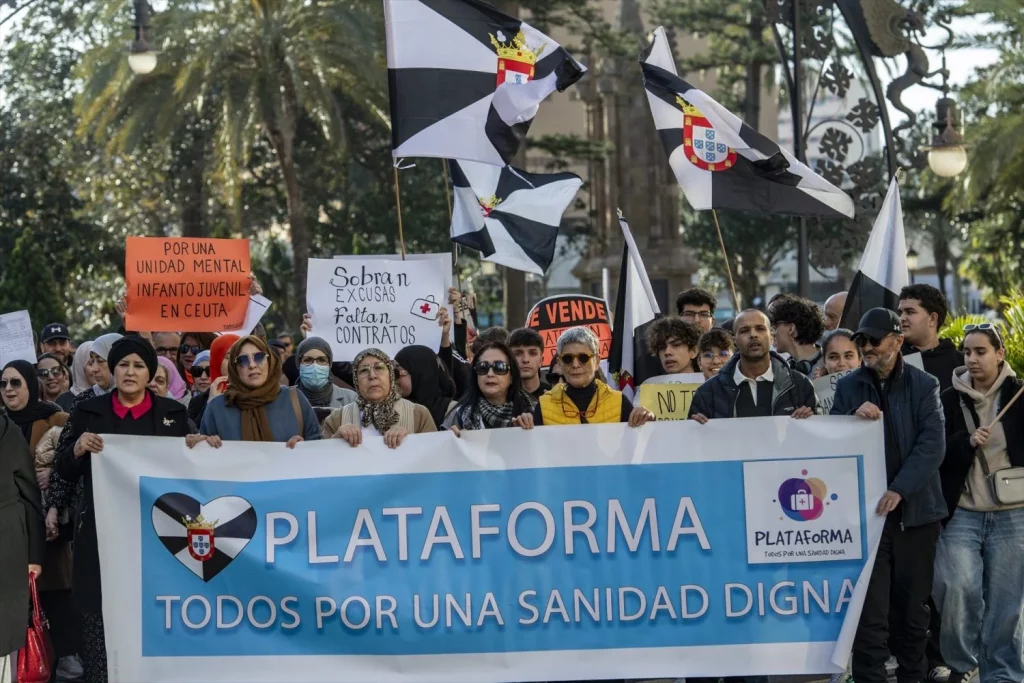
907 400
756 382
923 312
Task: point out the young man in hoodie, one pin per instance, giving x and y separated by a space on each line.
923 312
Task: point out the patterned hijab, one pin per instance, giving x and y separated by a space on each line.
382 415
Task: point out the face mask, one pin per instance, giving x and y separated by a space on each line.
314 376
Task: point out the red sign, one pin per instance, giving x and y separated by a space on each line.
554 315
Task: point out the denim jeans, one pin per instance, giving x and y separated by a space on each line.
979 589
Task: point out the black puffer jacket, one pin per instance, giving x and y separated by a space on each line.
717 397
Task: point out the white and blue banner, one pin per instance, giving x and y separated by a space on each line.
740 547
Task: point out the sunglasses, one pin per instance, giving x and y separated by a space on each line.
258 358
583 358
376 369
14 383
185 348
982 327
500 367
865 340
51 372
200 372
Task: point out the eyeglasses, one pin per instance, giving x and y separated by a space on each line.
14 383
198 371
711 355
258 358
500 367
703 315
167 350
186 348
376 369
864 340
568 358
50 372
309 361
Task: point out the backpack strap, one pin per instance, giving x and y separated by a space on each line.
297 407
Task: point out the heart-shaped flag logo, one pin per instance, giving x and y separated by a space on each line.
205 537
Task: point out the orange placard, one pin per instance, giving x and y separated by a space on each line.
554 315
184 284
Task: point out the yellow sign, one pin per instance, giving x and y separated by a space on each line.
667 401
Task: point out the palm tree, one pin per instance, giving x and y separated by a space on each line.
248 68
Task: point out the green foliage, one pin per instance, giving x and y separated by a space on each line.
1011 329
20 288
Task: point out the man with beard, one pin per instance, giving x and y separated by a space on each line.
756 382
907 400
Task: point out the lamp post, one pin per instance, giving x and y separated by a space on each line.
947 155
142 58
912 262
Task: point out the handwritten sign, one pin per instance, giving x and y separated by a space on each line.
825 389
443 261
175 284
669 396
554 315
16 341
381 303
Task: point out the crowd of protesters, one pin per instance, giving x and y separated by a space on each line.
951 543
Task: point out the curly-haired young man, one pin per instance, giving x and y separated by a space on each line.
674 342
798 325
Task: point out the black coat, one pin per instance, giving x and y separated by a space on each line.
716 398
22 533
166 418
960 453
940 362
918 428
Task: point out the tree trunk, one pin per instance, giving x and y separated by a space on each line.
940 251
282 135
752 103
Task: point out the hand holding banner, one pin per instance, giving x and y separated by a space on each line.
175 284
383 303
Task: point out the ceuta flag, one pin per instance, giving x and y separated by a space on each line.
635 309
883 271
466 80
510 216
721 162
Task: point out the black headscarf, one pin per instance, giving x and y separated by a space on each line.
431 388
126 346
35 409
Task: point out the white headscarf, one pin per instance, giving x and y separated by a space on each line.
78 369
101 347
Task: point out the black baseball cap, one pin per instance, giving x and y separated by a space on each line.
54 331
879 323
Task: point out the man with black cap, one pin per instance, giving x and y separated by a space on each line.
54 338
907 401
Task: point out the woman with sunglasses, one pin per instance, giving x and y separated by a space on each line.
192 344
53 377
254 406
497 399
201 372
378 410
584 399
979 576
315 359
130 409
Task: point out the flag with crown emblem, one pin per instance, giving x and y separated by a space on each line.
721 162
466 80
510 216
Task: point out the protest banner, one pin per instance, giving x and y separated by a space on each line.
748 552
16 340
825 390
185 283
384 303
554 315
669 396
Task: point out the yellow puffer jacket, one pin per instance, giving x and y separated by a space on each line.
558 409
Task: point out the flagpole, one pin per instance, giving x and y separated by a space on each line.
728 268
455 246
398 203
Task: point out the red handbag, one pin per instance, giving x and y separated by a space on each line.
35 660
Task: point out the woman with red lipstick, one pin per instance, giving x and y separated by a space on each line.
497 399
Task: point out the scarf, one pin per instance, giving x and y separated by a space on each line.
35 410
253 402
176 387
81 382
485 415
382 415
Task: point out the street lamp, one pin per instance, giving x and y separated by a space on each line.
912 257
947 155
142 58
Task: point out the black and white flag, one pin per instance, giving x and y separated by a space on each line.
721 162
466 80
510 216
204 537
883 271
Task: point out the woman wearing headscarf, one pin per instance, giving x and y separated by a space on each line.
22 538
201 374
53 377
379 410
168 383
497 399
584 399
131 408
254 405
314 361
80 378
423 380
219 352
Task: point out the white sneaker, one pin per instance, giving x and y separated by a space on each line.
939 674
69 668
890 666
